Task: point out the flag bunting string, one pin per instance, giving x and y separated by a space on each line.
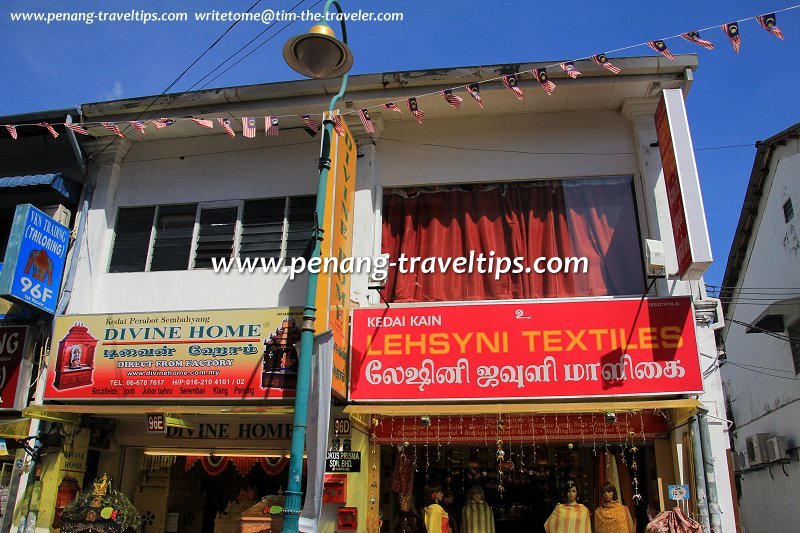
249 127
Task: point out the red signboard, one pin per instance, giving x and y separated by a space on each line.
525 350
12 349
519 427
692 245
674 196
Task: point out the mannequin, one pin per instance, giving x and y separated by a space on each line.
477 516
612 516
435 515
571 516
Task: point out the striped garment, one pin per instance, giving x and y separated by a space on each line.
567 518
477 518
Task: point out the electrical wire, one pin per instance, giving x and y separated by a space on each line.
198 82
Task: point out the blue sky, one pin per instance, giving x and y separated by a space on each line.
735 100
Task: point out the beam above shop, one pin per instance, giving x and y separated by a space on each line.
42 411
511 408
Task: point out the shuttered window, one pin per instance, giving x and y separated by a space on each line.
172 242
794 341
159 238
263 228
216 235
132 233
300 224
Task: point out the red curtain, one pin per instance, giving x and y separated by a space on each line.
593 218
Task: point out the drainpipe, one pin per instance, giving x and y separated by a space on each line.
714 510
699 474
27 519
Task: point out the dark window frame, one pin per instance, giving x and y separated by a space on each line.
256 227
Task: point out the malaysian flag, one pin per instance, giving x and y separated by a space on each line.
474 91
731 29
226 125
547 85
272 127
661 48
452 99
113 128
77 128
415 110
162 122
249 127
49 128
311 124
694 37
569 69
205 122
12 130
391 106
139 125
768 23
603 61
338 125
363 115
510 81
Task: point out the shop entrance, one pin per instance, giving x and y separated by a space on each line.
521 482
211 494
522 462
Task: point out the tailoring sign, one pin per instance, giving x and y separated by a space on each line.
643 346
689 229
34 261
333 288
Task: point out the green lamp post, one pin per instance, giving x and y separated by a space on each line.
316 54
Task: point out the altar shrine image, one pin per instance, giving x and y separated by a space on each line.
75 362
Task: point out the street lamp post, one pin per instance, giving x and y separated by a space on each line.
316 54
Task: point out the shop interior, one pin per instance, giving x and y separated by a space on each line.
521 482
523 463
215 494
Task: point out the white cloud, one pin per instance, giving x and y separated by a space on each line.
114 93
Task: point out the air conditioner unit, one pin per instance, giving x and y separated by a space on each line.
59 213
776 449
740 460
757 448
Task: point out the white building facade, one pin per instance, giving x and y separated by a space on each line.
761 350
166 202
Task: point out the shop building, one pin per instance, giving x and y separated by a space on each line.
760 354
516 382
41 191
519 383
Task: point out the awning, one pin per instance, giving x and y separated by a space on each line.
67 413
42 184
421 409
772 318
15 428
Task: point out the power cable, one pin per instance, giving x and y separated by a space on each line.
256 48
151 104
245 46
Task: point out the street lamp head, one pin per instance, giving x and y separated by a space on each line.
318 53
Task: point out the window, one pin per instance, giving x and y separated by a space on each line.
592 218
788 210
179 237
794 341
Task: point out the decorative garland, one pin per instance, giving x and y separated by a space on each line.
511 81
216 465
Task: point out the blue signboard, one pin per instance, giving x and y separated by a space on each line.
34 262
